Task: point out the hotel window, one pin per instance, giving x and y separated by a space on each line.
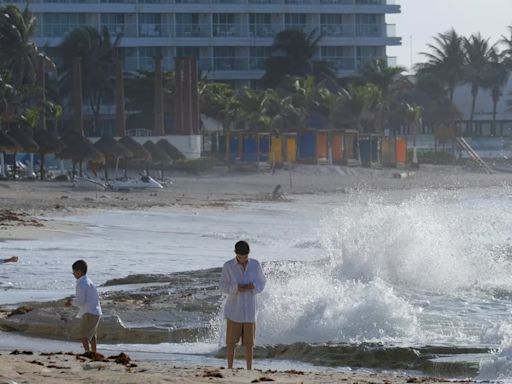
187 52
146 57
258 56
187 25
337 25
223 24
224 58
295 21
59 24
341 58
114 22
368 25
150 25
366 55
260 24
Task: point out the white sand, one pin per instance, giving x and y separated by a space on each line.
67 368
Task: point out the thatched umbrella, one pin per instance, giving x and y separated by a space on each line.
48 142
7 144
139 152
173 152
158 155
78 148
111 148
24 137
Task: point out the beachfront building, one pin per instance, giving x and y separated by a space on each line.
229 38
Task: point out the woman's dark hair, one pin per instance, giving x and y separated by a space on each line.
242 248
81 266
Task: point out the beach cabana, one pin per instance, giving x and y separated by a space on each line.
249 147
234 147
264 147
290 147
159 158
78 148
370 148
276 150
24 138
306 146
401 151
112 149
350 146
139 153
173 152
7 145
337 146
48 142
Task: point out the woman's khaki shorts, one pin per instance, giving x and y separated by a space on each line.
245 331
89 326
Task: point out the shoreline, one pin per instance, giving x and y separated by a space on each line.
44 201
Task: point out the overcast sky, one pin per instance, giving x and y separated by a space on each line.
422 19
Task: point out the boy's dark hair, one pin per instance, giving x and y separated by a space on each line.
81 266
242 248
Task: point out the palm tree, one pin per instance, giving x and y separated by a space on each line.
139 91
445 61
391 83
476 65
98 58
292 54
413 115
19 56
251 105
7 92
496 78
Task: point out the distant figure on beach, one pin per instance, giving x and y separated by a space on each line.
242 278
277 193
87 299
13 259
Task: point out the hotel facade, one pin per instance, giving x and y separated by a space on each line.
229 38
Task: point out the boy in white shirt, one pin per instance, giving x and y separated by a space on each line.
88 301
242 278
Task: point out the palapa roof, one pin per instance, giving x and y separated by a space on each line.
138 151
8 144
48 141
158 155
24 137
110 147
79 148
171 150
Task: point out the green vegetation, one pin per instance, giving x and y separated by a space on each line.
300 91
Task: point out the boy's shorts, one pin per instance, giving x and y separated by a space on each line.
89 326
245 331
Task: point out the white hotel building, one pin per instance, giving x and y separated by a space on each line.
230 38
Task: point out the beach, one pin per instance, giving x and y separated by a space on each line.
29 212
70 368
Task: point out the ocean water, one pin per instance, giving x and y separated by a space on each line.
397 269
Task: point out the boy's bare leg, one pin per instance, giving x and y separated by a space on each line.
85 343
93 344
248 356
230 351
